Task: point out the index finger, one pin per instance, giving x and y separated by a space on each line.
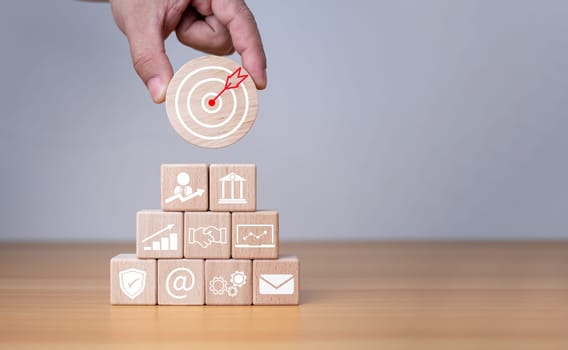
240 22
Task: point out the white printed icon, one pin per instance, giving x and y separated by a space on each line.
181 280
232 189
183 192
205 236
255 236
276 284
170 242
219 286
132 282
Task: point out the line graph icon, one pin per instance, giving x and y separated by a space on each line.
255 236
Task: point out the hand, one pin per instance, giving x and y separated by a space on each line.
217 27
201 237
219 234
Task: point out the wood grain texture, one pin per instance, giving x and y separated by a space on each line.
232 187
207 235
159 234
142 284
180 282
228 119
368 295
184 187
228 282
276 282
255 235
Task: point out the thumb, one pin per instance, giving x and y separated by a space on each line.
151 62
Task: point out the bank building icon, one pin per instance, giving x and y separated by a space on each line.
232 189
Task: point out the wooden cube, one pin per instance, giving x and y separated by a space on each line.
159 234
185 187
180 282
227 282
232 187
207 235
132 280
276 282
255 235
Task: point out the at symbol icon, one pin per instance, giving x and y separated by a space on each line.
180 282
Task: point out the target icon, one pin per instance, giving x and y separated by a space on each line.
212 102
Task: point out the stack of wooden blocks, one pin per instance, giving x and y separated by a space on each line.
208 244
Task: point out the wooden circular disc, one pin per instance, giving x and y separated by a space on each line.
201 119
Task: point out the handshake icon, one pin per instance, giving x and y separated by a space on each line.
205 236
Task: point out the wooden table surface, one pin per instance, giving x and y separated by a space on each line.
367 295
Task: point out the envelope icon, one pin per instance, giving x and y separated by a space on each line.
276 284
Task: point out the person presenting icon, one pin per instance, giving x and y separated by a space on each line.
183 192
183 187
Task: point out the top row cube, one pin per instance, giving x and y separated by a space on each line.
202 187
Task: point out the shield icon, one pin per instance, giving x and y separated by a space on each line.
132 282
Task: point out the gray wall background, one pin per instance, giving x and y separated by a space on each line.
383 119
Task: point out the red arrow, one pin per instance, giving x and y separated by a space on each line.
233 81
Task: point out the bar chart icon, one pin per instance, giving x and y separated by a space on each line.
163 240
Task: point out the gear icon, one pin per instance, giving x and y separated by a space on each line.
218 285
232 291
238 278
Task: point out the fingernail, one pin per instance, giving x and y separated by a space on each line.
264 78
262 81
157 89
